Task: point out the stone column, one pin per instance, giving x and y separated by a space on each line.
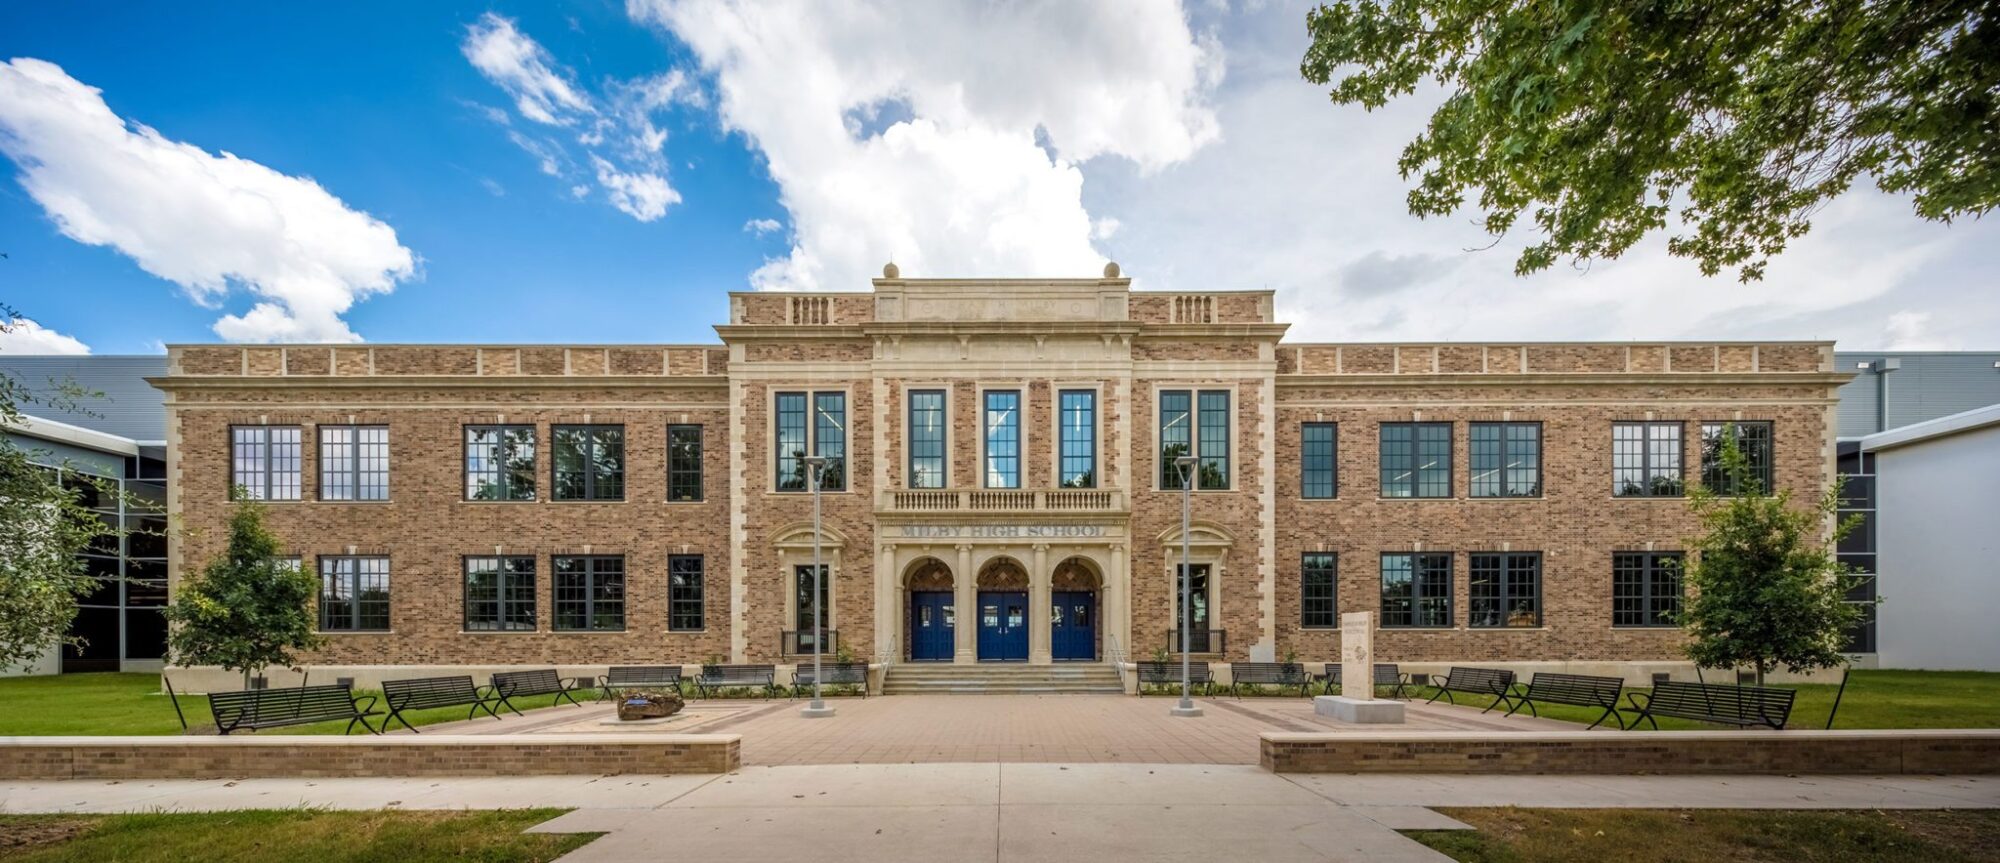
965 603
1117 613
1040 604
889 610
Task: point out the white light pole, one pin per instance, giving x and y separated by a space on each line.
1186 464
817 708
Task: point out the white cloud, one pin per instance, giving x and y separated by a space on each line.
1103 227
760 227
24 336
643 196
201 220
927 134
521 67
1910 331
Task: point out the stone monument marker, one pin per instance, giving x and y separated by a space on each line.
1356 701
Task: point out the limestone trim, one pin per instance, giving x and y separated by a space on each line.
1591 379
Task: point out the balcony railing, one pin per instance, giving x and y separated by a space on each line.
800 643
1199 641
987 500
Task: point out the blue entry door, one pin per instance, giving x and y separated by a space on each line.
931 624
1003 627
1073 625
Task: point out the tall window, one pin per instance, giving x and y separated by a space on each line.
499 462
500 594
684 596
353 594
353 462
1318 577
1645 588
1078 439
1753 439
821 431
589 462
1505 589
927 437
802 586
683 462
1197 607
1506 459
1002 426
830 438
1416 590
1317 445
589 593
1416 459
1646 459
1195 423
265 462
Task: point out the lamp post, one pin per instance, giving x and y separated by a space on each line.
1186 464
817 708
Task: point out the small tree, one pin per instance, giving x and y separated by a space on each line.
1764 587
249 609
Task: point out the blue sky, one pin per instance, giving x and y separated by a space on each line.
598 172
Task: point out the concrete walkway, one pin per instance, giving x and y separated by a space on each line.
933 812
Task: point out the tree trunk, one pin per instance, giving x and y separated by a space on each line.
1760 674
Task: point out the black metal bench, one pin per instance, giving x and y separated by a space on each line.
272 708
1154 673
714 677
620 679
1582 690
508 685
1386 674
831 674
1742 706
1476 681
1279 674
424 693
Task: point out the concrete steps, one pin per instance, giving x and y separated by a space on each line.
917 678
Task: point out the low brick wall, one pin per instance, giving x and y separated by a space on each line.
1647 752
280 756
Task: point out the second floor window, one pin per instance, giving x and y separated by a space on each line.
1003 439
353 594
589 462
683 462
1645 588
500 594
1505 590
353 462
589 593
684 592
927 439
1318 579
1079 439
1195 423
1506 459
1317 444
265 462
499 462
1753 439
813 423
1416 590
1646 459
1416 460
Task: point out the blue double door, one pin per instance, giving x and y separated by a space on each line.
1073 625
1003 626
931 626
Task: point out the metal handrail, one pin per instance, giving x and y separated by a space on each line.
1117 657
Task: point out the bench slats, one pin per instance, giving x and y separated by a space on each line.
1282 674
1476 681
1742 706
1386 674
272 708
715 677
1582 690
1156 673
832 674
508 685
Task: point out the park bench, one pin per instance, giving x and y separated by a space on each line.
424 693
1742 706
271 708
714 677
1155 673
1386 674
1280 674
1582 690
620 679
508 685
1475 681
831 674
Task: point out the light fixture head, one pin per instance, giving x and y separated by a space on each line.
1184 461
816 460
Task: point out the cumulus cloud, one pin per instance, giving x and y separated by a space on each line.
643 196
202 220
24 336
927 134
760 227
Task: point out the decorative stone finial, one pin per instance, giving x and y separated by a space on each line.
890 271
1111 270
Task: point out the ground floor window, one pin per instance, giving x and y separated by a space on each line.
684 597
354 594
1317 579
1645 588
1506 590
1416 590
500 594
589 593
802 592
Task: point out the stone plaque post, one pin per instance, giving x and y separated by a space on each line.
1356 701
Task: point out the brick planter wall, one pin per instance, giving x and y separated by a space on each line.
1650 752
316 757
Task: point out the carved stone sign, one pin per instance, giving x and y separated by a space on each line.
1357 654
1002 531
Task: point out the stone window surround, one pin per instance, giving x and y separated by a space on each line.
1021 425
1099 451
1236 431
795 549
942 387
1207 544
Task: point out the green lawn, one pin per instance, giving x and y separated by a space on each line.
1717 836
287 835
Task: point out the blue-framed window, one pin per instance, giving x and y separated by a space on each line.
1078 442
928 463
1002 426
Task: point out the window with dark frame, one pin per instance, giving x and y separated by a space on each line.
1195 422
1197 608
830 438
588 592
1646 459
684 592
1645 588
353 463
822 432
684 463
1318 472
589 462
1078 438
802 598
1504 590
1318 585
266 462
353 594
1506 459
1753 438
500 462
1416 590
500 594
927 439
1416 460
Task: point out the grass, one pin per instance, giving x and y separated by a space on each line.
286 835
1717 835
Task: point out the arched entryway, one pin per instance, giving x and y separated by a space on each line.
1074 612
933 618
1003 611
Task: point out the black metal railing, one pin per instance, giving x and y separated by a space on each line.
800 643
1199 641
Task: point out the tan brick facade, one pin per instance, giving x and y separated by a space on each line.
968 338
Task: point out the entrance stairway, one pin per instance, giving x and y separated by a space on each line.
996 678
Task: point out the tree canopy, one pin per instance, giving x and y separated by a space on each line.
249 609
1728 123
